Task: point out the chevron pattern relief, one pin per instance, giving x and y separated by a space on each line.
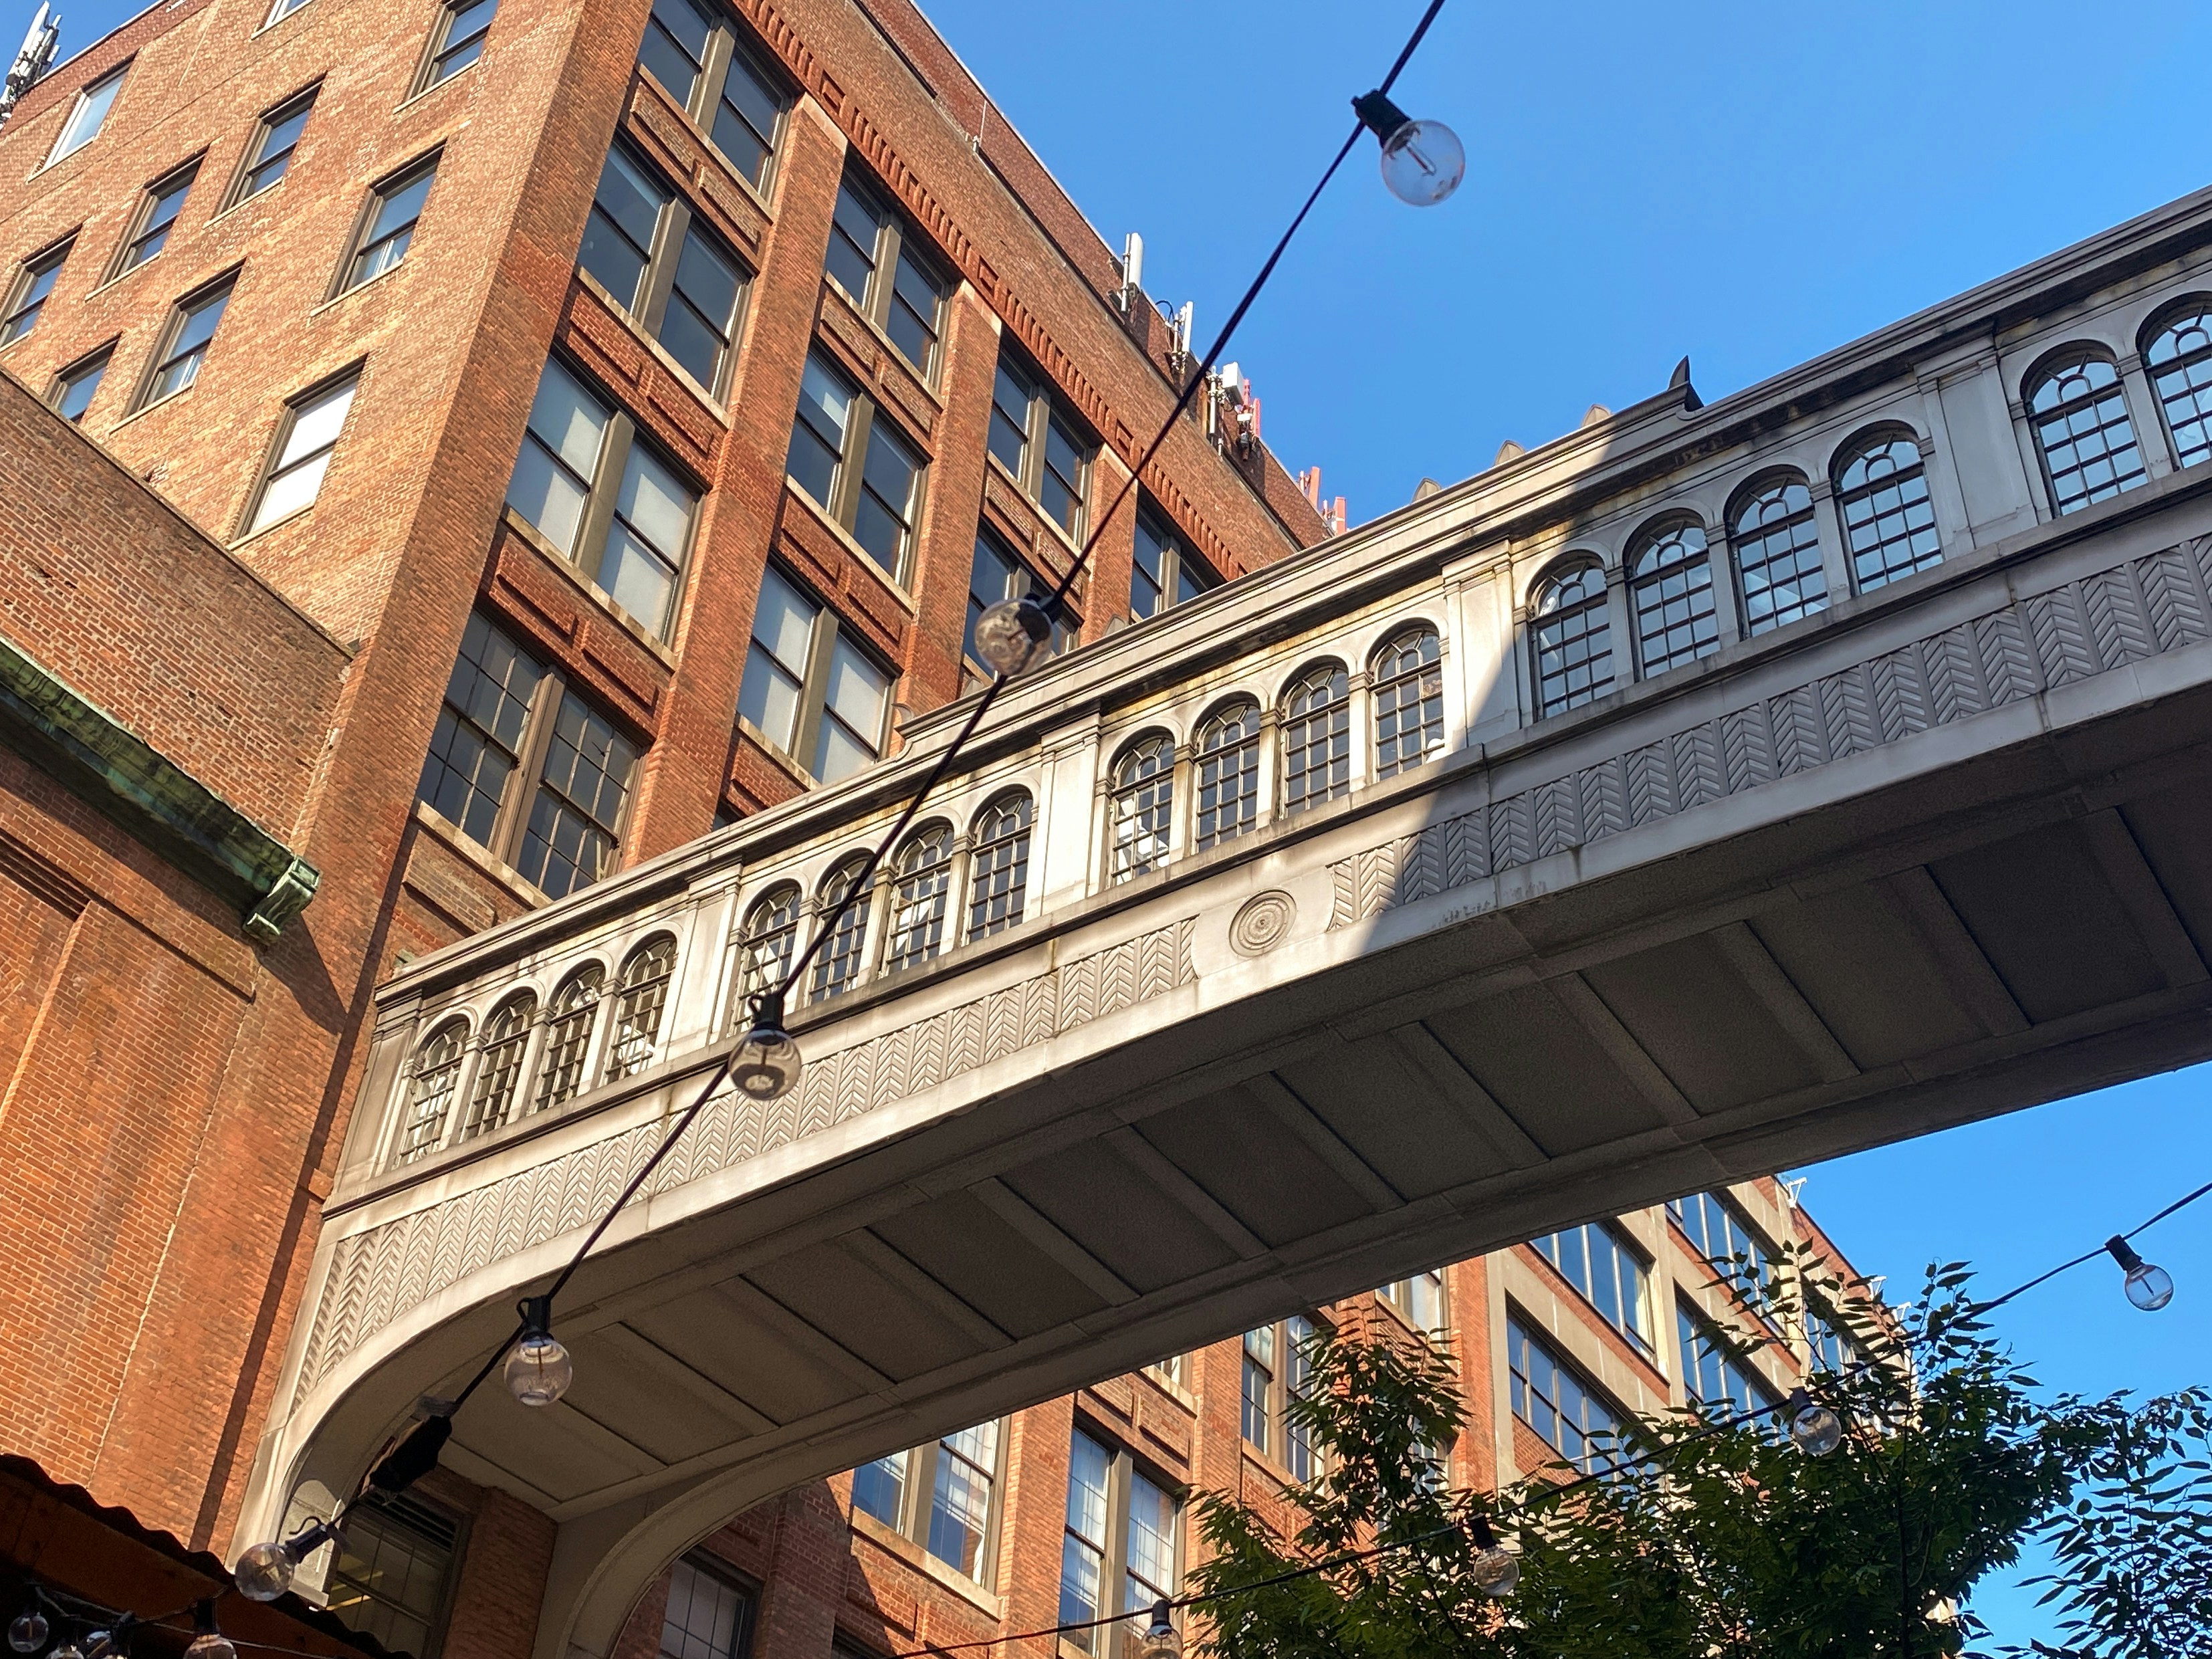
378 1274
2156 604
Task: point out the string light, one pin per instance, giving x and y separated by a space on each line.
1495 1570
538 1370
1013 635
1813 1429
264 1571
767 1064
1161 1640
28 1634
1423 161
2149 1287
208 1642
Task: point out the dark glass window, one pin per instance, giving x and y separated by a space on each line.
1143 806
1409 702
1713 1376
1881 496
462 25
879 499
1040 444
1572 633
1737 1255
2180 359
707 1617
922 887
1166 572
675 49
157 217
568 1024
874 257
395 207
1317 738
191 328
837 968
1613 1279
998 865
618 234
430 1091
641 1001
1670 589
2080 413
270 156
390 1572
34 284
1228 774
75 387
1779 577
499 1066
698 59
1567 1413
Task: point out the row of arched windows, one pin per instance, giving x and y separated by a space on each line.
548 1050
2077 404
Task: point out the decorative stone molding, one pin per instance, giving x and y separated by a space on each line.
378 1274
2139 609
1263 923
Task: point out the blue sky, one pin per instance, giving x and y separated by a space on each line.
1749 183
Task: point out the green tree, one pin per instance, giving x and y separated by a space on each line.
1702 1536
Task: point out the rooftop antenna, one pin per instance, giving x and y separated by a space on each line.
35 59
1132 270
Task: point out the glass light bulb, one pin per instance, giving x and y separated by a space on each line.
212 1644
1496 1570
1160 1640
1423 162
2149 1287
538 1371
264 1573
1816 1430
67 1651
1013 635
28 1633
767 1064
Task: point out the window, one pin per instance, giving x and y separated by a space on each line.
1317 738
1174 1371
34 285
837 969
878 501
156 217
76 386
1711 1374
2180 359
388 229
808 689
945 1496
1779 577
279 10
998 865
700 62
568 1023
1259 1385
1409 702
1573 637
2080 413
1121 1525
303 454
1166 572
1727 1243
1143 805
392 1572
997 574
1040 444
708 1617
641 1002
1832 1348
430 1097
874 257
459 41
765 947
87 115
1278 1369
506 712
688 294
1567 1413
268 156
1670 589
499 1066
1881 494
1228 773
185 342
608 502
922 887
1613 1279
1421 1299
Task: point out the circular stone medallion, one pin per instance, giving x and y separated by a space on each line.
1259 926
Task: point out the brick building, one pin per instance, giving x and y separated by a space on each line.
631 441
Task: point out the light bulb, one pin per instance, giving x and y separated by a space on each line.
28 1633
1815 1429
213 1645
264 1573
1012 635
538 1371
67 1651
1161 1640
2149 1287
1423 162
1496 1570
767 1062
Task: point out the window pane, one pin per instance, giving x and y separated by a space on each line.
618 233
85 118
388 1574
560 453
2090 448
675 47
707 1617
746 116
74 393
703 309
272 155
1149 579
32 288
1888 521
1060 491
465 26
1083 1555
818 436
570 841
1010 419
645 542
884 513
1778 557
854 230
853 714
1154 1519
960 1507
2180 362
879 1488
917 300
775 667
1672 590
167 202
196 330
298 474
1317 739
1573 641
993 576
390 229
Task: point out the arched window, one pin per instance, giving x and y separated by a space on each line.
923 873
1316 737
1573 639
437 1071
499 1068
1881 496
770 934
837 970
2080 412
641 1002
998 868
1143 804
1777 554
1228 773
1670 589
2180 359
1409 701
568 1021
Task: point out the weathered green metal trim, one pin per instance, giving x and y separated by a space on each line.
158 801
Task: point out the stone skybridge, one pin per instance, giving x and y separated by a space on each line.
1711 790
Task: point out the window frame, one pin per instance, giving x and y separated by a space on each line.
2169 317
1044 405
347 378
1123 1465
381 191
918 1496
827 630
85 95
54 257
1281 1389
848 475
1798 522
1595 605
655 290
141 229
99 360
896 239
219 291
1532 1334
726 41
439 45
250 160
2075 357
1644 1342
1646 542
1852 452
1175 556
396 1507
